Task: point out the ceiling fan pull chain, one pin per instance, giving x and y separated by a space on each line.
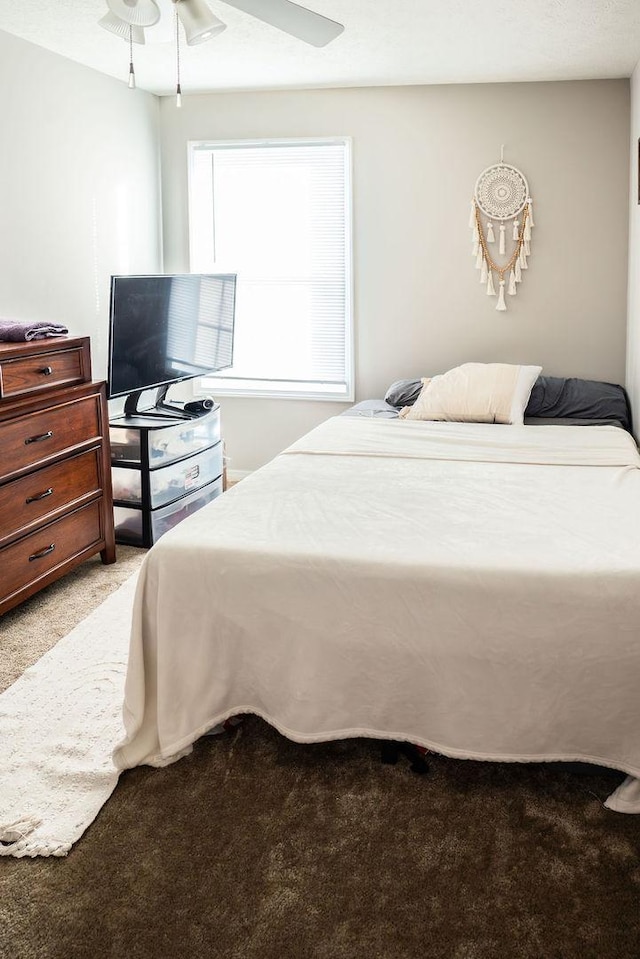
132 74
178 89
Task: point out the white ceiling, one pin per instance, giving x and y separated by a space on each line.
384 42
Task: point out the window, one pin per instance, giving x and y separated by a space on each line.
277 213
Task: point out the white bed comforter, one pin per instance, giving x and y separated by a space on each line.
473 588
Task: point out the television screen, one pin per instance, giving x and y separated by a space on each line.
169 328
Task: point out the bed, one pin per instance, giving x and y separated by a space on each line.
470 587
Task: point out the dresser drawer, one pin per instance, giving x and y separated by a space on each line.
34 438
25 562
28 500
43 371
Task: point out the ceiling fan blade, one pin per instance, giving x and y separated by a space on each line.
292 18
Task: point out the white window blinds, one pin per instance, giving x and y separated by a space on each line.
278 215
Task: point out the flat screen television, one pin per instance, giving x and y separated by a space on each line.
168 328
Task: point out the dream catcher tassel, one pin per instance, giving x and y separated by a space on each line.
472 215
502 239
516 230
479 258
530 217
476 247
491 290
523 259
516 271
527 230
501 305
527 247
476 233
490 234
484 273
513 286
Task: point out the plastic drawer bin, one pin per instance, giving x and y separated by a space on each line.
168 482
130 521
127 484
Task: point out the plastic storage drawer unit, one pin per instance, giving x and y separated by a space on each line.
163 468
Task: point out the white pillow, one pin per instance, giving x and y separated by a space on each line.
476 393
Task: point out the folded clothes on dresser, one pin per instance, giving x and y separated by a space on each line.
18 331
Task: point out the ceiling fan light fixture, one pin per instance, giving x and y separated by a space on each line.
139 13
198 22
121 29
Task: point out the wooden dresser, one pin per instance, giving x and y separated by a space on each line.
56 507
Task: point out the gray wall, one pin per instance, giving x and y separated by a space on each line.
417 154
79 190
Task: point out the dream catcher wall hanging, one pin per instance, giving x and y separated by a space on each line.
501 205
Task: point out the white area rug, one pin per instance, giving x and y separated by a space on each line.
59 723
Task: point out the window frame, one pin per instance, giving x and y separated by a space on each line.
261 389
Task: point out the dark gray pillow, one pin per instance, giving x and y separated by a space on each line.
566 397
403 393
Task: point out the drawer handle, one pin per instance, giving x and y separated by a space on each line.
46 370
40 438
34 499
43 552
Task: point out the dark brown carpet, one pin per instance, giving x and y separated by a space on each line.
257 848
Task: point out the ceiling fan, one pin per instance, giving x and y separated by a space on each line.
128 18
